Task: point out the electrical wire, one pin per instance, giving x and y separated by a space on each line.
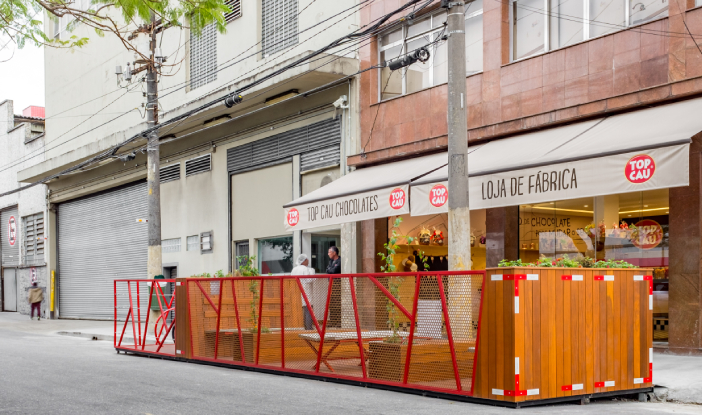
145 133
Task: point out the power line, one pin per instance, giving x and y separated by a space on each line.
109 153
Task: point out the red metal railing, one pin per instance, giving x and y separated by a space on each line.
355 327
135 302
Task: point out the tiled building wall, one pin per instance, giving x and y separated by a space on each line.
654 62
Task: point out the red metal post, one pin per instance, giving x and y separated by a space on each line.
309 306
131 307
160 307
324 326
148 313
219 317
139 314
358 328
477 338
238 323
260 314
166 335
206 296
444 306
114 337
413 321
129 313
390 297
282 326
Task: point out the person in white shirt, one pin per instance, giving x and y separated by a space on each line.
301 268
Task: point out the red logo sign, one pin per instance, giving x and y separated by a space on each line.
293 217
397 198
12 231
438 195
640 169
648 235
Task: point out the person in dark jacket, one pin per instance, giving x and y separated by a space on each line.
334 266
36 295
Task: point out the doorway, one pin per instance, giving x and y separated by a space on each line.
319 247
9 289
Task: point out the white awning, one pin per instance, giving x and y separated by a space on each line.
585 159
370 193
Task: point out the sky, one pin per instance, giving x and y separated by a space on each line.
22 76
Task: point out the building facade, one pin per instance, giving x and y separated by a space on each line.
225 173
540 77
23 246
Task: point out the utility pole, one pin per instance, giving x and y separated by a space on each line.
459 214
153 176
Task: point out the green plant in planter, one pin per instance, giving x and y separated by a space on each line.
394 282
505 263
247 268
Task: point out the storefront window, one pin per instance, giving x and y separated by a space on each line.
275 255
631 227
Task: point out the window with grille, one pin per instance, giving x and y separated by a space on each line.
33 231
170 245
235 6
278 25
193 243
203 57
206 242
242 252
198 165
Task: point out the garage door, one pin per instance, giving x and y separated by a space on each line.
99 241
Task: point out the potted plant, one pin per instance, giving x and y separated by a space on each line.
386 357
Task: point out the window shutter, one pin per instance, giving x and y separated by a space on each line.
198 165
278 25
170 173
203 57
235 6
313 141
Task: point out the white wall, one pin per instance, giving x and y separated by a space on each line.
74 79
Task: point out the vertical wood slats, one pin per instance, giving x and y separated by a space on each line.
568 333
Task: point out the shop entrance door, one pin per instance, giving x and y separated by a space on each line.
9 290
320 247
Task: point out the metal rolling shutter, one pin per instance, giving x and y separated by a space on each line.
10 253
315 141
99 241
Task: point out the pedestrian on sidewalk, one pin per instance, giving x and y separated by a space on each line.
302 268
36 296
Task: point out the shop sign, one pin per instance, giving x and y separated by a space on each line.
12 231
438 195
33 273
649 234
360 206
659 168
640 168
397 199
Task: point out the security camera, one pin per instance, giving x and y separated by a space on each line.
341 103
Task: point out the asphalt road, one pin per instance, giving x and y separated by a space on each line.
44 373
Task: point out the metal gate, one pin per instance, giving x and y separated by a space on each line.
100 241
9 289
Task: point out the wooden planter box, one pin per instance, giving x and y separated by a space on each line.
430 361
564 332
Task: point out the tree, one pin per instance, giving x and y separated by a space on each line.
18 18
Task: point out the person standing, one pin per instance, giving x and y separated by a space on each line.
334 267
302 268
36 296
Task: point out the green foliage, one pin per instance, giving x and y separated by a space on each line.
394 283
518 263
247 266
566 262
18 18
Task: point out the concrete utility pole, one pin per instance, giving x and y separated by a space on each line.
153 176
459 215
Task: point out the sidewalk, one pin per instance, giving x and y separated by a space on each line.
678 378
90 329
